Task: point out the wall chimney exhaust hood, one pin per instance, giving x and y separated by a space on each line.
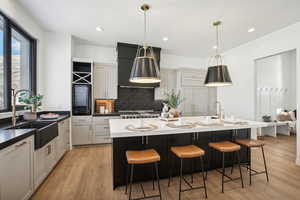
126 55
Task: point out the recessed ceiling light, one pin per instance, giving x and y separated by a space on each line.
250 30
165 38
215 47
100 29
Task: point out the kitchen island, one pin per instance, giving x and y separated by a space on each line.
198 131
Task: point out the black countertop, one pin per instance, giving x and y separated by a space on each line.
12 136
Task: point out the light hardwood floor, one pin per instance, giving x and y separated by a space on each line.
85 174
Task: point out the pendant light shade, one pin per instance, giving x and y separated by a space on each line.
217 74
145 68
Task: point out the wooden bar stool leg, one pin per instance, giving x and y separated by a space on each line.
131 179
203 176
223 170
239 162
266 170
181 166
157 177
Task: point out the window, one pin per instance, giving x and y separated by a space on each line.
17 61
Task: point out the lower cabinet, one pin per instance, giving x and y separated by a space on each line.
16 170
45 160
47 157
91 130
81 130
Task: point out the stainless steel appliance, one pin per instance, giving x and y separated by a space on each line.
132 114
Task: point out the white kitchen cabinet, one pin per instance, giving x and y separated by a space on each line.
82 132
198 99
101 134
63 138
105 82
16 170
168 82
44 160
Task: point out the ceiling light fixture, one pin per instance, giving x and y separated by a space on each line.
250 30
165 38
145 68
217 74
215 47
100 29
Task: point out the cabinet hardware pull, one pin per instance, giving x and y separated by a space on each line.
21 144
142 139
146 139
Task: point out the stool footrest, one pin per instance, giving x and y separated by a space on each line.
253 170
147 197
229 177
190 186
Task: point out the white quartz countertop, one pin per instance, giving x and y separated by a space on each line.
118 126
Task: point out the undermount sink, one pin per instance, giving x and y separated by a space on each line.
45 131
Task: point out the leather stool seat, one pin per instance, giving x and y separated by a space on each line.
188 151
142 156
225 146
250 142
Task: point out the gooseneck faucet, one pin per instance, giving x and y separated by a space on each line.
14 112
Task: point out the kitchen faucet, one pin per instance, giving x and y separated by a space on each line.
14 113
219 110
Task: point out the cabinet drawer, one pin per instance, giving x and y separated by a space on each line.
81 119
101 130
103 120
102 140
100 121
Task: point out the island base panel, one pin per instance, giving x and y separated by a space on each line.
162 144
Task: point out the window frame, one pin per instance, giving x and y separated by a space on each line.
8 25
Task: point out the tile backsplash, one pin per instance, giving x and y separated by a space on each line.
137 99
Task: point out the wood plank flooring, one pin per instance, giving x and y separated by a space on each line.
85 174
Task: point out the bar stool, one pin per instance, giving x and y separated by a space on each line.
227 147
250 143
141 157
188 152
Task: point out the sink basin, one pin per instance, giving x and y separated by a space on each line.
45 131
35 124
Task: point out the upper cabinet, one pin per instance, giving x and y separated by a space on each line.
168 83
105 81
198 99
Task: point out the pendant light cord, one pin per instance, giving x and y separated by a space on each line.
145 30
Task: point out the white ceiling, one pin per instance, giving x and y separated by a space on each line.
187 23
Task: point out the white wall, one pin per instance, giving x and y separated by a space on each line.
275 84
239 99
57 70
109 55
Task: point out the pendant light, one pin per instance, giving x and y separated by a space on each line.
145 68
217 73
